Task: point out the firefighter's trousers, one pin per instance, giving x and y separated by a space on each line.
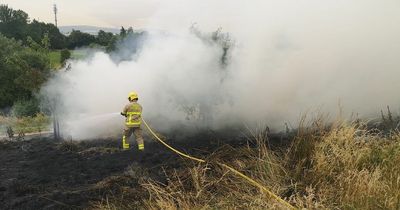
137 132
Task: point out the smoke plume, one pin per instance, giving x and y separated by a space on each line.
280 59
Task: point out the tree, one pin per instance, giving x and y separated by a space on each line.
26 108
46 42
37 30
112 45
79 39
130 30
122 32
13 23
104 38
123 47
33 44
57 39
8 73
22 71
33 68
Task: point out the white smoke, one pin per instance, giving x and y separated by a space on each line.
289 57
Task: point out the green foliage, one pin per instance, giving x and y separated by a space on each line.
25 108
23 71
13 23
112 45
79 39
55 59
33 44
28 49
46 42
65 54
104 38
33 68
39 30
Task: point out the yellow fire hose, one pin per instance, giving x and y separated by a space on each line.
250 180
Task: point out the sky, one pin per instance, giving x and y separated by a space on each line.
105 13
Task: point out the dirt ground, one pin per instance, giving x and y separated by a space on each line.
41 173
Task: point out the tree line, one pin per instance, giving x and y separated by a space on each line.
16 24
24 55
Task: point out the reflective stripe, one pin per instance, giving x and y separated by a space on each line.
131 121
133 115
141 146
125 145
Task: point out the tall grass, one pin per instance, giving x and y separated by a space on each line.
348 167
327 166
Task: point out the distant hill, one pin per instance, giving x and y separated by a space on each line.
87 29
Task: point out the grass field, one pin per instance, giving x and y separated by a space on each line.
55 59
79 54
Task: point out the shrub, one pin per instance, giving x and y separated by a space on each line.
26 108
65 54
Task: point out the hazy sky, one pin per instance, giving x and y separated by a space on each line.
109 13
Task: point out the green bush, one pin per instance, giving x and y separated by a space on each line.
65 54
23 71
26 108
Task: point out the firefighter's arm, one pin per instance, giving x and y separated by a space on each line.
123 113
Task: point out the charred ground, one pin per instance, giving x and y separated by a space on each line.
42 173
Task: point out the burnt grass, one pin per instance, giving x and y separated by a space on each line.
42 173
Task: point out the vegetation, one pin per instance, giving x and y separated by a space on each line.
22 125
26 108
29 49
79 39
64 55
55 59
58 58
342 165
23 71
15 24
328 166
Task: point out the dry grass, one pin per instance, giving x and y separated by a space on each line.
349 168
328 166
210 186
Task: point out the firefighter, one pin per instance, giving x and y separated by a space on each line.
132 112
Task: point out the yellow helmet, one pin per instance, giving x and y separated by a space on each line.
132 95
